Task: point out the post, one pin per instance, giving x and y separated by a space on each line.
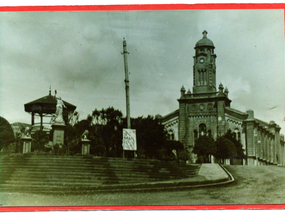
33 118
41 115
125 52
127 86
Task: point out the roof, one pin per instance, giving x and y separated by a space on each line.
21 124
170 116
46 104
236 113
204 41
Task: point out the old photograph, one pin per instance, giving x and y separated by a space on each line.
142 107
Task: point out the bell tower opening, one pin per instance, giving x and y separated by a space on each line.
204 69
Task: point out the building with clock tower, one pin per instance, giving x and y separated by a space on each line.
206 111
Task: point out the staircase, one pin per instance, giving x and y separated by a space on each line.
65 174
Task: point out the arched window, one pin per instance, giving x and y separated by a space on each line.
195 134
170 134
202 130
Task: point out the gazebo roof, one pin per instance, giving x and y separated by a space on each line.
46 104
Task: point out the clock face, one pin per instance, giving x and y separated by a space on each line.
201 60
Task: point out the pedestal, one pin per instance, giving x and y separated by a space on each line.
27 144
212 159
58 133
85 146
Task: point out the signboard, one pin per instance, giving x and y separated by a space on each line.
129 139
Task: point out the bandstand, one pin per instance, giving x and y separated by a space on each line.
44 108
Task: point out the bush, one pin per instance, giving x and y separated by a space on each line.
98 150
76 149
183 156
11 148
39 140
6 133
201 159
163 155
59 149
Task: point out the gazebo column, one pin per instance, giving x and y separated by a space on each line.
33 118
41 115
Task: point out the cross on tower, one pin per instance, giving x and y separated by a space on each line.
205 34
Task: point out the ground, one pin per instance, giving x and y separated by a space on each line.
253 185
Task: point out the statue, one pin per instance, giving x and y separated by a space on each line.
27 132
73 118
84 135
59 111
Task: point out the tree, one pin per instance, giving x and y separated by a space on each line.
174 150
230 135
151 136
204 146
226 149
6 133
72 138
107 130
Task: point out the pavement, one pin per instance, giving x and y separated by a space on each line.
209 175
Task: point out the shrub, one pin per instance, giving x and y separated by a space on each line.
59 149
39 139
98 150
183 156
6 133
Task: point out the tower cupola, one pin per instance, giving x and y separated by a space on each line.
204 41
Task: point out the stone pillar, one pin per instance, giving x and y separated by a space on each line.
250 148
27 144
212 159
33 118
182 123
85 146
58 133
221 128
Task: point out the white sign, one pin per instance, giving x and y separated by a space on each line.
129 139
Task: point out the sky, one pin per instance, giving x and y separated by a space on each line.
79 55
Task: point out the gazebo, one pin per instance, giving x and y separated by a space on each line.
46 107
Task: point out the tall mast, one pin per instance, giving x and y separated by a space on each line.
125 52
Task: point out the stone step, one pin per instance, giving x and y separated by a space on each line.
90 162
67 169
77 177
66 188
39 174
34 175
76 173
88 167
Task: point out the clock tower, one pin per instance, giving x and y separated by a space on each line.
204 69
202 111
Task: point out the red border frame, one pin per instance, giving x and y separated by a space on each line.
147 207
232 6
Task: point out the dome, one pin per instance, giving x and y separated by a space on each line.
204 41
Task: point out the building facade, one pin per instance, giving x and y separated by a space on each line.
207 111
